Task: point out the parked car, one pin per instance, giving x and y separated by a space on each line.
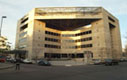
110 62
12 60
2 59
97 61
26 61
8 59
123 60
44 63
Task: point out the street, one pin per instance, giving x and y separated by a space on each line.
86 72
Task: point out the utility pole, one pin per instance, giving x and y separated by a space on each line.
2 23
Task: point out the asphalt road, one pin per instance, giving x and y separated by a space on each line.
87 72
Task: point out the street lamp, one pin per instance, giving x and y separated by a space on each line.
1 23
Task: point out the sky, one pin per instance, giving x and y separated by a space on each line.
15 9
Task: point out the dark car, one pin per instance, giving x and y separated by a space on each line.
12 60
44 63
110 62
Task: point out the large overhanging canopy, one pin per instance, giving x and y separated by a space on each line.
67 24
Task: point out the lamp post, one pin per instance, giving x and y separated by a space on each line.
2 23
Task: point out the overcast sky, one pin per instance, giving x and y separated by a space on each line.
15 9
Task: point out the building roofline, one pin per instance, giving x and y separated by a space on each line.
71 7
110 13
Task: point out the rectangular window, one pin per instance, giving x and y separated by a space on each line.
24 20
23 27
52 33
85 46
52 46
22 46
23 40
84 39
111 19
84 33
111 25
22 34
68 35
51 39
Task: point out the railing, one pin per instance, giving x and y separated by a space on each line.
68 9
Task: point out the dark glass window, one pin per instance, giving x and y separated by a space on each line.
52 46
111 19
52 33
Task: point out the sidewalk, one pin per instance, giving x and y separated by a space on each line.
6 65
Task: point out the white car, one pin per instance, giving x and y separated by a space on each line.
97 61
26 61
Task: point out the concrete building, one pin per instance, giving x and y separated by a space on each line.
69 33
4 44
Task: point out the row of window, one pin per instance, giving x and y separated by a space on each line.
23 40
2 41
23 46
84 33
85 46
111 25
52 46
22 34
84 39
68 35
23 27
69 47
111 19
52 33
79 40
69 41
24 20
51 39
2 45
63 55
81 46
79 34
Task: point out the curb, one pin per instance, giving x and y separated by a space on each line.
11 66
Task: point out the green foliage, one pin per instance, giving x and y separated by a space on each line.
2 51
